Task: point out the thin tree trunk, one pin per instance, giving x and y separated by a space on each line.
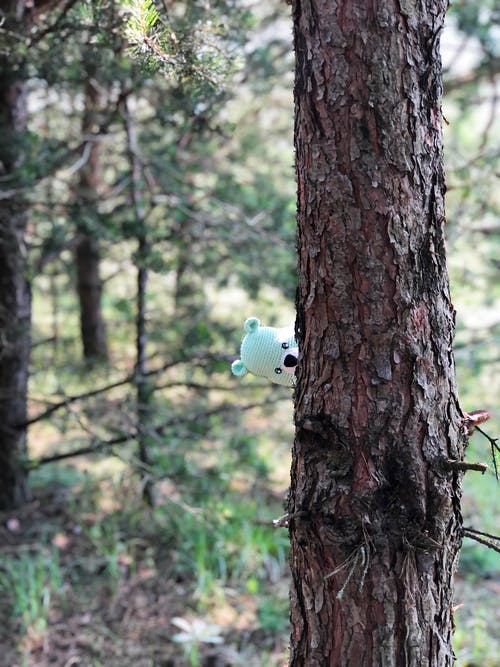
89 284
143 387
15 296
375 522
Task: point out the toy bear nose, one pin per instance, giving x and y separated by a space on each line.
290 361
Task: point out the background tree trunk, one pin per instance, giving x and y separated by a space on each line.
15 297
143 386
375 517
89 284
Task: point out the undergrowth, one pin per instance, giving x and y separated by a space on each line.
216 576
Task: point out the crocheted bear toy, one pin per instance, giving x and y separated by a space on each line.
268 352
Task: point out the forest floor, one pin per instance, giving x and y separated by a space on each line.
82 594
87 608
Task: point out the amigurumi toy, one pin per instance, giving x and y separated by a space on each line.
268 352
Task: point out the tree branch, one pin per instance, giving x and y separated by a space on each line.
483 538
488 69
100 445
72 399
464 466
494 448
68 400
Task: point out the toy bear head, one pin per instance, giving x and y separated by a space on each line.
268 352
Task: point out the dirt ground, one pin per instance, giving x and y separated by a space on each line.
119 621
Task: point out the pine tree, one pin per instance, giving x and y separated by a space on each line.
374 513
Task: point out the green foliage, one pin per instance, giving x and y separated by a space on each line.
189 46
142 20
29 582
106 539
478 21
223 546
273 613
143 33
475 639
476 560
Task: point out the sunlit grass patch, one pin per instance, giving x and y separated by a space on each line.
30 581
476 640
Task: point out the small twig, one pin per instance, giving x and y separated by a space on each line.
350 574
475 535
492 115
81 161
365 563
494 448
480 532
352 562
464 466
342 565
284 521
43 341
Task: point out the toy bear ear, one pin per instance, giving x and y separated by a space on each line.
251 324
238 368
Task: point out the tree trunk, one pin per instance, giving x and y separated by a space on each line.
15 296
92 328
375 522
89 285
143 386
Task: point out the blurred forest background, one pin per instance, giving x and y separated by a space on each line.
158 169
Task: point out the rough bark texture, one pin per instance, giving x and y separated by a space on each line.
374 515
89 284
15 297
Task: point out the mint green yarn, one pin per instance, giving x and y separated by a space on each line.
264 351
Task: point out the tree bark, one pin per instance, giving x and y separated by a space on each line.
375 523
89 284
15 296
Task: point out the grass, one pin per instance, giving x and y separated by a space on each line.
181 581
476 639
478 579
29 582
120 574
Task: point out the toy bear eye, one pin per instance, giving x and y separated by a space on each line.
285 346
278 370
